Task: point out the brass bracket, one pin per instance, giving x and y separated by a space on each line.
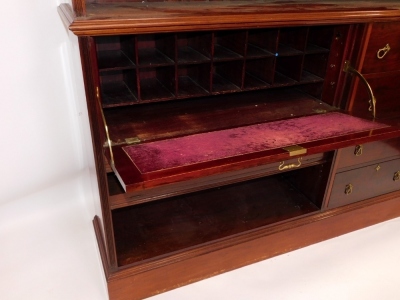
109 142
372 102
396 176
295 150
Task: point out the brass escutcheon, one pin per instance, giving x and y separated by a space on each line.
358 150
290 166
396 176
348 189
383 51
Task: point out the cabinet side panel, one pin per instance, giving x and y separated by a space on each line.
86 45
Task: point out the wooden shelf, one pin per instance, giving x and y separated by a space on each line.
114 60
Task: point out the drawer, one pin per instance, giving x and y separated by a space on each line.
381 35
380 150
364 183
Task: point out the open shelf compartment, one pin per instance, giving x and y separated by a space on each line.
163 227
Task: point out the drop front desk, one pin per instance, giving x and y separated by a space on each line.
227 132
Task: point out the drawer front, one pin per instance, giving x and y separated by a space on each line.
362 154
364 183
383 34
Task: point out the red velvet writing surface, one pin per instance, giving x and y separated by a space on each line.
203 147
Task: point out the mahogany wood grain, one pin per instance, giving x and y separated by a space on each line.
367 182
79 7
371 152
381 35
386 89
148 279
147 17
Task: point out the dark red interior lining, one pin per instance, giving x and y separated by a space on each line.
203 147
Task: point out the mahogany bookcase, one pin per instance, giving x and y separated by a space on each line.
228 132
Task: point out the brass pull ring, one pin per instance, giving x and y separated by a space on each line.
348 189
383 51
290 166
372 101
396 176
358 150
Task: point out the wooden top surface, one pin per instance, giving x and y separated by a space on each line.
148 17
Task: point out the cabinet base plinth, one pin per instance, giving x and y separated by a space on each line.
148 278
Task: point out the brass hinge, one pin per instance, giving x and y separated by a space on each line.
132 140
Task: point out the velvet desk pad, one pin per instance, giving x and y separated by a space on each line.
203 147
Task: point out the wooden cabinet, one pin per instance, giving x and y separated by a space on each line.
227 132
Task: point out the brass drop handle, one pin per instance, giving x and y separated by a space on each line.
383 51
348 189
396 176
290 166
372 101
358 150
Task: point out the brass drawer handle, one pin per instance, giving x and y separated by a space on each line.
372 101
383 51
290 166
358 150
348 189
396 176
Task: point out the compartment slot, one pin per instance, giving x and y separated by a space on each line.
194 47
292 41
229 45
115 52
227 76
157 83
157 228
319 39
194 80
118 88
316 64
259 73
290 66
156 50
262 43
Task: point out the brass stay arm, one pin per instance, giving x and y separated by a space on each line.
106 129
372 102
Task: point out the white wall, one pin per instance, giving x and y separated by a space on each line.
47 244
